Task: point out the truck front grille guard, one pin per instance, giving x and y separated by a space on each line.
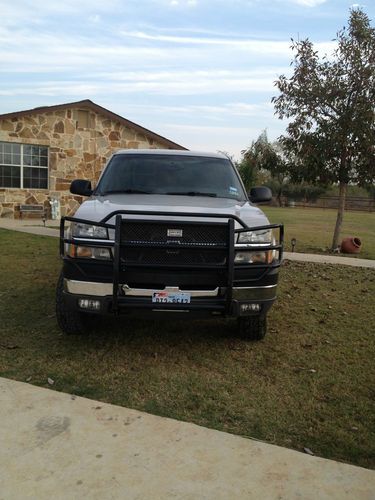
230 243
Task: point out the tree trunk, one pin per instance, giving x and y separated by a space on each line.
340 214
278 197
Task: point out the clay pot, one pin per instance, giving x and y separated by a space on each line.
351 245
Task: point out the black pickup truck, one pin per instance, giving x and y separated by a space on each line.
168 232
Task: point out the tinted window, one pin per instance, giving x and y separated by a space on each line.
171 174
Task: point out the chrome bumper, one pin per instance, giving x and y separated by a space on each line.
88 288
103 289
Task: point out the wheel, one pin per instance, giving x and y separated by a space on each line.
252 327
70 322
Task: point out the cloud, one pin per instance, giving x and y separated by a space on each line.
309 3
175 86
265 46
217 138
255 46
176 66
183 3
67 6
23 52
216 112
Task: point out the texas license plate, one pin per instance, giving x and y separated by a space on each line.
171 298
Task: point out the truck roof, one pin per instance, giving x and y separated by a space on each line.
173 152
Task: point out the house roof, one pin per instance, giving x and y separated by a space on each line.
87 104
170 152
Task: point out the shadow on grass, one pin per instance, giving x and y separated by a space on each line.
139 337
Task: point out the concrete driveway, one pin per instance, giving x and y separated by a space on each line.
57 446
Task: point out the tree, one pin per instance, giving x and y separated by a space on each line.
331 104
248 167
265 156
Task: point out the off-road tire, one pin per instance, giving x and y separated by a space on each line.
252 327
70 322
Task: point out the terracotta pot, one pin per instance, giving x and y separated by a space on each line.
351 245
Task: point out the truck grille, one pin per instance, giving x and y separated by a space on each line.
212 235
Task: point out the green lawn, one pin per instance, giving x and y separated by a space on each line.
310 383
313 228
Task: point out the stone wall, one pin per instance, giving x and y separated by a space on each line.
74 153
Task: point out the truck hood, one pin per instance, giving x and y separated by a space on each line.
98 207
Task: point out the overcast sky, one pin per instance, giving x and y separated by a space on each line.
200 72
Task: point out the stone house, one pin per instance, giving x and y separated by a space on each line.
43 149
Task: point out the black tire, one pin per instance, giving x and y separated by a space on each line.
252 327
70 322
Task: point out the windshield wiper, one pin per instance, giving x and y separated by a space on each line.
125 191
192 193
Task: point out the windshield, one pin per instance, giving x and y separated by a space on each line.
171 174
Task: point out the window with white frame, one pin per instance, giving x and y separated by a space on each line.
23 166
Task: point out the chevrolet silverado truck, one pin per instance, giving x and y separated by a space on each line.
168 232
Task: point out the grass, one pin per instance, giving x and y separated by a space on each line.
310 383
313 228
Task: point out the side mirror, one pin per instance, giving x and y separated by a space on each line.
259 194
81 187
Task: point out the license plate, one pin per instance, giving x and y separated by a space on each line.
171 298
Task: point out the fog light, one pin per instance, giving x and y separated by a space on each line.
250 307
92 305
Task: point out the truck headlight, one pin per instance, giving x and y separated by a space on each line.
261 236
87 231
80 230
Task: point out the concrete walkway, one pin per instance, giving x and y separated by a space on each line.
55 445
35 226
32 226
329 259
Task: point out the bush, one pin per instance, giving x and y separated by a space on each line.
306 192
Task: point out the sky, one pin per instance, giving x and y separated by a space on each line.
199 72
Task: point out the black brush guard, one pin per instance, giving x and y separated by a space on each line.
117 245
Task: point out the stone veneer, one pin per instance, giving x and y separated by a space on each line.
74 153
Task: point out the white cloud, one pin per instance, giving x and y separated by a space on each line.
264 46
21 52
255 46
309 3
217 138
218 112
183 75
195 85
169 71
66 6
183 3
